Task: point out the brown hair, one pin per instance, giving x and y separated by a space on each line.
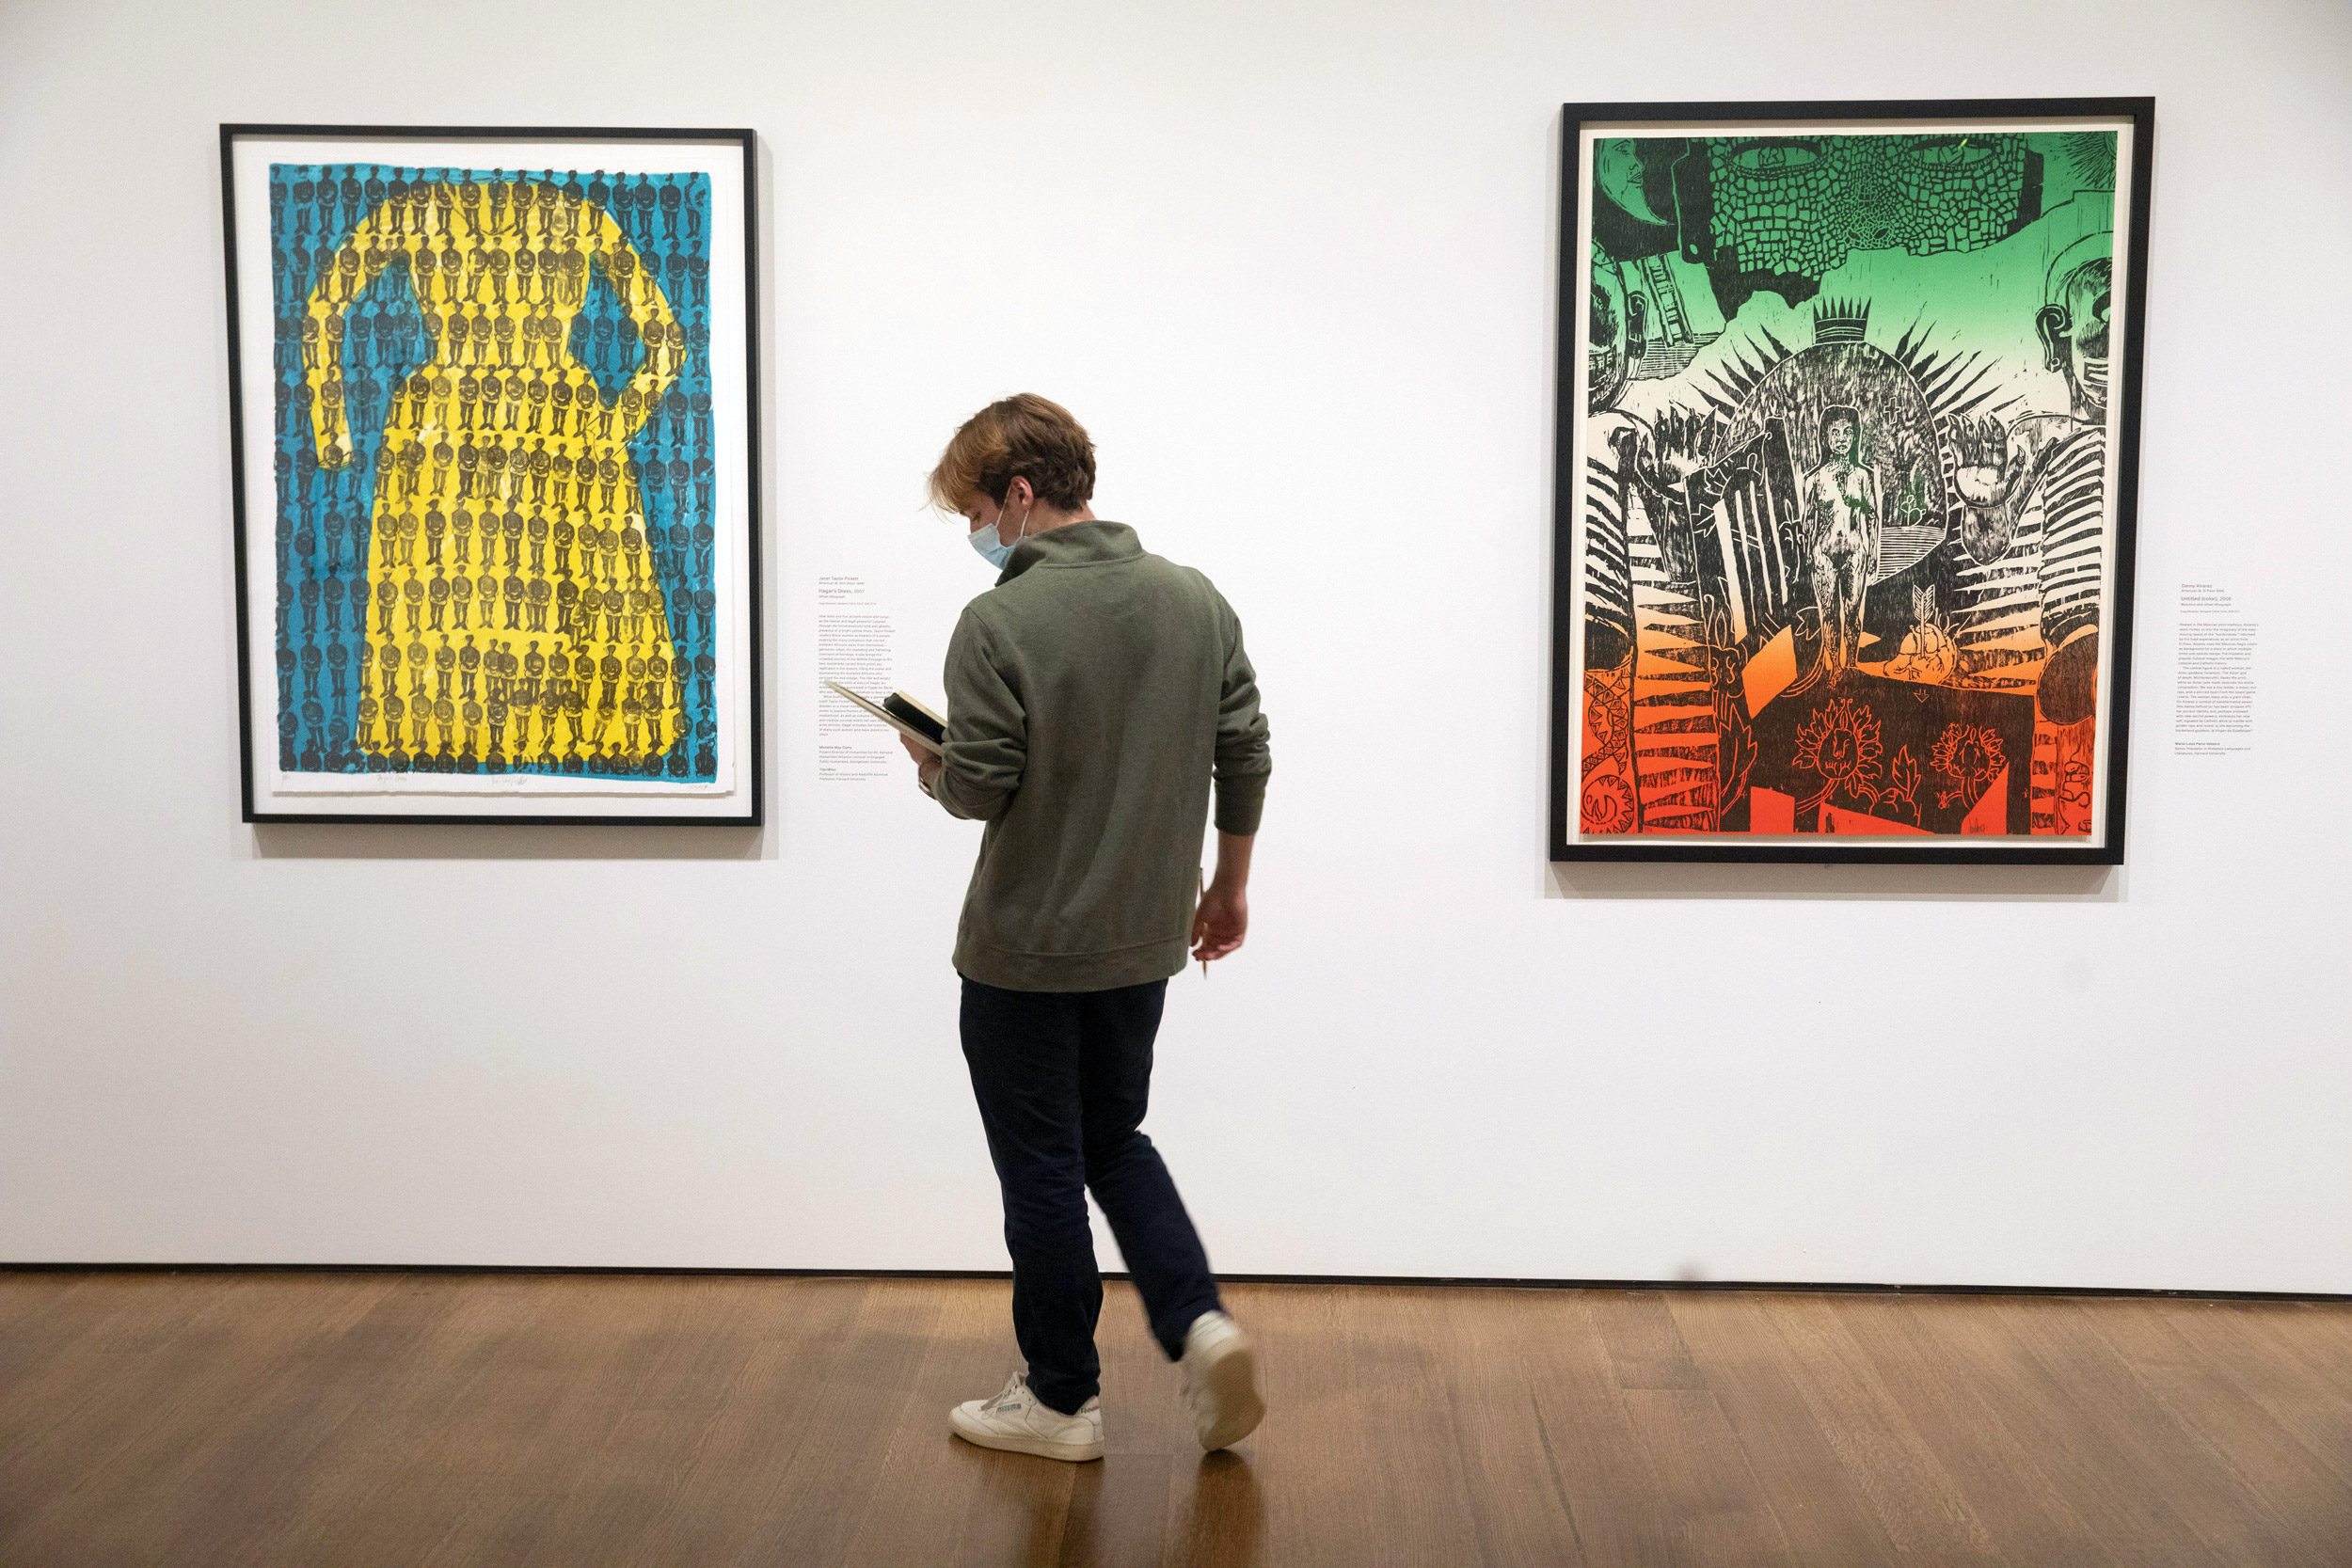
1022 436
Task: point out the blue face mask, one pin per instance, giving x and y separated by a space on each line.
990 545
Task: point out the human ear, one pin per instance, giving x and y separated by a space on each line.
2051 323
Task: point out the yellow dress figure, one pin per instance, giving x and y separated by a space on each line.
514 605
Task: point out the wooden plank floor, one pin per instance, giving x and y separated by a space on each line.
578 1419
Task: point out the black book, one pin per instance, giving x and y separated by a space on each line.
914 716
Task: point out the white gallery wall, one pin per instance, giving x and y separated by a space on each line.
1295 264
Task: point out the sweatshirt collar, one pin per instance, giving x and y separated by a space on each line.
1089 543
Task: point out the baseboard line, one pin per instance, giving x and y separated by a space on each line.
1452 1281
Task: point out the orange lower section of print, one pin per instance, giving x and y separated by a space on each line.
1838 819
1991 814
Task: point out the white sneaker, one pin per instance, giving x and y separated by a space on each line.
1017 1422
1220 1370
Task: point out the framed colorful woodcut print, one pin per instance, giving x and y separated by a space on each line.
1847 455
494 433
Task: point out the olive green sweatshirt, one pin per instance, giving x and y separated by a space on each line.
1093 696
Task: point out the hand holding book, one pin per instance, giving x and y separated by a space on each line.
917 723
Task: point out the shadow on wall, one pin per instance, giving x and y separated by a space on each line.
2031 884
322 841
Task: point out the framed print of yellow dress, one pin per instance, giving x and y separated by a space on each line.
495 452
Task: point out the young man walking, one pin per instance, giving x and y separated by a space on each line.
1094 696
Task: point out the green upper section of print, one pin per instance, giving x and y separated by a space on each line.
1964 235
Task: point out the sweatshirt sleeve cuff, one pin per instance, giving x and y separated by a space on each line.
961 800
1239 804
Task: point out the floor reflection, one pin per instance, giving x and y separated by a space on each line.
1129 1508
1225 1527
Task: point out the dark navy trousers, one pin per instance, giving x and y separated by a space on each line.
1062 1079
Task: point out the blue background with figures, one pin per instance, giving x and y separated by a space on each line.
323 515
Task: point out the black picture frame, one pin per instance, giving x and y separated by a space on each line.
2131 116
748 800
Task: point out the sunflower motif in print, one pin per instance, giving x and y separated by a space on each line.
1841 742
1970 756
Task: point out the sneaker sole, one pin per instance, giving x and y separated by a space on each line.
981 1436
1231 1381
